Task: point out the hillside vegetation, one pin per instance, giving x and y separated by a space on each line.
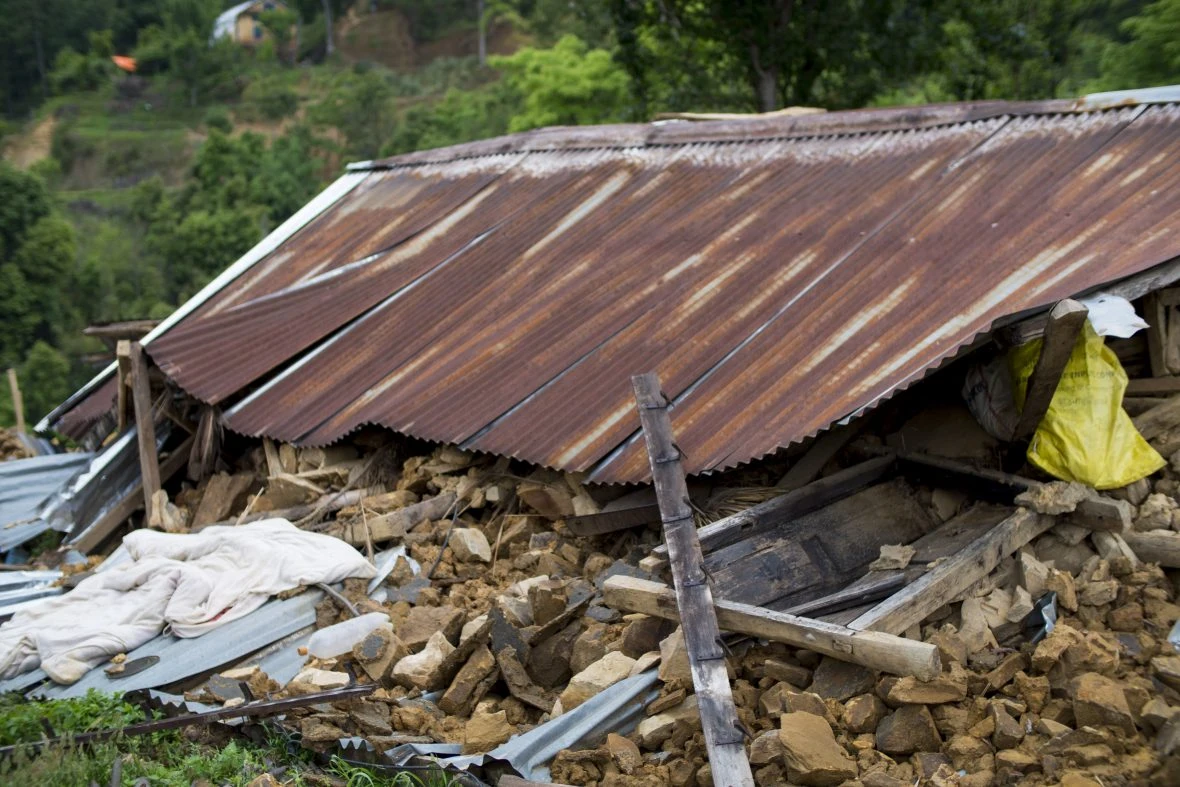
122 194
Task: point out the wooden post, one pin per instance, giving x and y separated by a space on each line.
942 584
18 404
1061 334
123 356
694 599
1156 314
872 649
145 425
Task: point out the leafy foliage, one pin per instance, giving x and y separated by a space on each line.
569 84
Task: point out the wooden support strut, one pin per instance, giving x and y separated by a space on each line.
694 599
1061 334
18 405
872 649
944 583
141 396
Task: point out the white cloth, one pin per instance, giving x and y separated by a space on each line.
189 583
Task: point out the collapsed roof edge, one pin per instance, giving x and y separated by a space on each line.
302 217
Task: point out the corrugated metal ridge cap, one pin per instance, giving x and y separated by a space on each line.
768 127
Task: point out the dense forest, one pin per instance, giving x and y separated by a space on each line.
122 193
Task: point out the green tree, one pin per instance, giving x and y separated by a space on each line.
23 200
1151 55
45 380
360 105
569 84
280 23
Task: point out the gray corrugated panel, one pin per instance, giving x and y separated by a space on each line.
26 483
26 487
19 588
184 658
618 709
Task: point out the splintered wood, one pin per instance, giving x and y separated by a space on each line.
694 599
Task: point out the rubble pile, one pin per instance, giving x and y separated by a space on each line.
496 624
11 446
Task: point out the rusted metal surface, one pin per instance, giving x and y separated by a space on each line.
779 274
77 421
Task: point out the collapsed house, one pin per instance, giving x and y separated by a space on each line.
433 361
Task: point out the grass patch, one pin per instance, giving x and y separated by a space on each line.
165 759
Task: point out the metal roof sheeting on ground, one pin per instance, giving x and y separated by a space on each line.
778 273
25 487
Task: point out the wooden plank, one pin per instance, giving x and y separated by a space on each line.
1153 386
18 404
1157 334
954 575
1159 419
1156 546
395 524
1093 513
874 587
612 521
818 552
871 649
1061 334
123 356
1138 405
694 599
822 451
777 510
92 537
145 426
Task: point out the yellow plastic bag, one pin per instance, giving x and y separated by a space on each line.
1086 435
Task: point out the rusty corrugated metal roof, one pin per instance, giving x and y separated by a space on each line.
779 274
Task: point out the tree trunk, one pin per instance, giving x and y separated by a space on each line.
329 47
483 33
768 90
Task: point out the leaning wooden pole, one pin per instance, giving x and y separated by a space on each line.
18 403
702 637
145 425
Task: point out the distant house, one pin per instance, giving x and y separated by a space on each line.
240 23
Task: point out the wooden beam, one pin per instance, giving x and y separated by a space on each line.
822 450
145 426
1159 419
1153 386
1061 334
1093 513
871 649
96 532
702 636
123 359
18 404
945 582
1156 314
1156 546
777 510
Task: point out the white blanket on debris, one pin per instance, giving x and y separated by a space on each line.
186 583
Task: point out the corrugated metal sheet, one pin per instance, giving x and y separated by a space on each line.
779 274
26 489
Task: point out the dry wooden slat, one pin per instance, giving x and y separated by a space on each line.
1155 312
1061 333
1158 420
141 397
1153 386
1156 546
781 509
942 584
822 451
702 636
18 405
396 524
871 649
1112 545
1093 513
